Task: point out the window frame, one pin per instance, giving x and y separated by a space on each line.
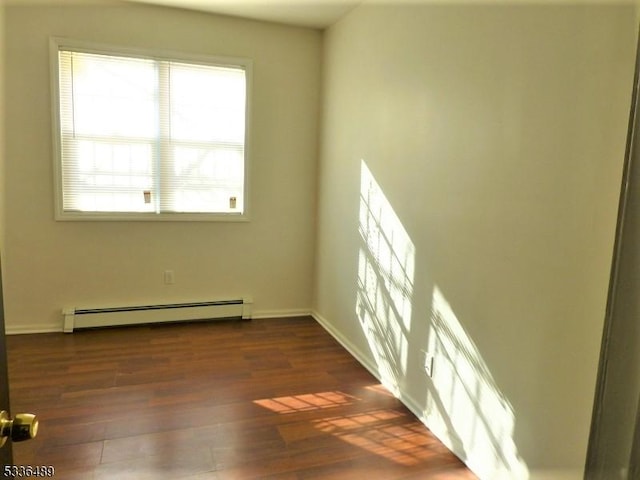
58 43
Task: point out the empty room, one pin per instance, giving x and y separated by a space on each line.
316 239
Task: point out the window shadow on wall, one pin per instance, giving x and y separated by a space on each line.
463 402
466 396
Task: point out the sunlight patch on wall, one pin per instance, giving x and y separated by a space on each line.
475 414
385 280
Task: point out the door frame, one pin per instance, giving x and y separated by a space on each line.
617 318
6 452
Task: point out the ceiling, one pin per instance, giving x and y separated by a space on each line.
306 13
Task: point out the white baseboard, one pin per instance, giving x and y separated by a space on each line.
406 399
31 329
350 347
295 312
367 363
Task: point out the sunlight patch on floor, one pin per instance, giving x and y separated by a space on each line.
306 402
384 433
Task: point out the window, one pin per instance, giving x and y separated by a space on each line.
143 136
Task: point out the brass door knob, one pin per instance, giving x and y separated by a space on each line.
23 427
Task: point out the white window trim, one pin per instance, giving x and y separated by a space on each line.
56 43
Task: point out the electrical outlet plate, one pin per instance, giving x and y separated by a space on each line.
169 279
428 364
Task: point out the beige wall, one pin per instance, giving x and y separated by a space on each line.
495 138
50 265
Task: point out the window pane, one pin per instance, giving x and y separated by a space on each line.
205 179
207 103
114 96
108 177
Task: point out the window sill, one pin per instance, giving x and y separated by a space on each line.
151 217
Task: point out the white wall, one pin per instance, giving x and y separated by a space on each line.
50 265
487 143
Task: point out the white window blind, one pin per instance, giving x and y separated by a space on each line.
150 136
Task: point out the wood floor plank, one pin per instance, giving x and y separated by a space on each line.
268 399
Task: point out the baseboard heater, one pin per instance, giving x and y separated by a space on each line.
78 318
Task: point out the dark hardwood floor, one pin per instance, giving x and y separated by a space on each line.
267 399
